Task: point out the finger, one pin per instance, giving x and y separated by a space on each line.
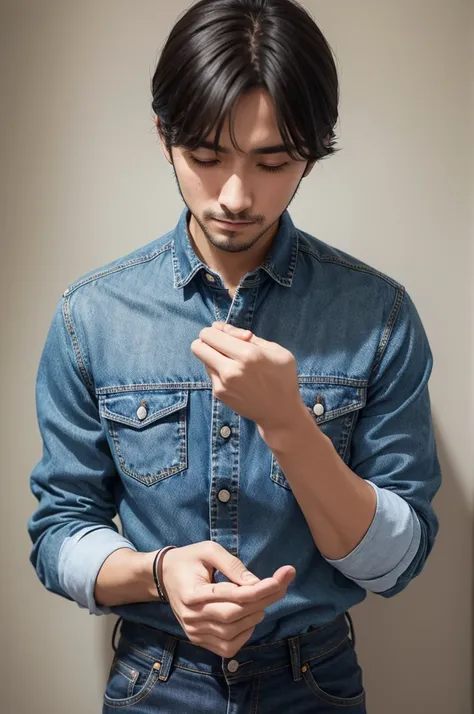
283 573
246 335
226 630
227 344
264 344
230 592
229 612
213 359
239 332
224 648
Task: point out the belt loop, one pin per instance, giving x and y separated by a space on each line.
168 657
294 646
351 626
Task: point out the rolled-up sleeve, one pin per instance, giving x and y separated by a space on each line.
393 447
72 529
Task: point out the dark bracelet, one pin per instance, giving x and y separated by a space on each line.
158 572
161 597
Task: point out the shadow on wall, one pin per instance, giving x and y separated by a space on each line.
407 644
396 637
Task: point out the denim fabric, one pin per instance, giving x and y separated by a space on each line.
314 673
130 425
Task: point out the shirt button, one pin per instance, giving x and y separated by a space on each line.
225 432
318 409
142 413
210 278
233 665
224 495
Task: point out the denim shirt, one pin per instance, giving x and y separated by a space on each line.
130 425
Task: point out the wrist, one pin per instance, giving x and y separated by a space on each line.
144 574
125 577
280 438
158 572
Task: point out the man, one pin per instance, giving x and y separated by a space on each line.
243 395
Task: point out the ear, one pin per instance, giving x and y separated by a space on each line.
163 142
308 169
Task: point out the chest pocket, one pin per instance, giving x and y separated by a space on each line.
147 432
334 408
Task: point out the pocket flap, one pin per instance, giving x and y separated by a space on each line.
334 399
140 408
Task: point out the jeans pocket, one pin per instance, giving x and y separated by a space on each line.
132 677
336 677
147 431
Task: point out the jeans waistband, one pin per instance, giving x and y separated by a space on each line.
248 661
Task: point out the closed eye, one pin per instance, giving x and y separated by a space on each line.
214 162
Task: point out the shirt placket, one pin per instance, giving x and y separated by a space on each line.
226 433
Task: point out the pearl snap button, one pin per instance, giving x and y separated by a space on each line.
226 432
318 409
224 495
142 413
233 665
210 278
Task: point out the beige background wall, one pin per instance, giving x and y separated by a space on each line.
84 181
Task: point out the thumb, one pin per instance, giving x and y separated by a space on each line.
234 569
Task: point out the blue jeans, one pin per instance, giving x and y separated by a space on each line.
155 672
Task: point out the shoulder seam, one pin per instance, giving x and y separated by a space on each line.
116 269
399 297
76 347
353 266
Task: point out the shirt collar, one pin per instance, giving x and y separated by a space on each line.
280 262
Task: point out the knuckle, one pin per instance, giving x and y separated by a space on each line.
224 633
188 618
227 617
226 377
251 355
219 391
235 564
187 601
210 548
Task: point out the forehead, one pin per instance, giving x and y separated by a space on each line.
254 124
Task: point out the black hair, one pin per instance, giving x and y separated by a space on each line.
220 49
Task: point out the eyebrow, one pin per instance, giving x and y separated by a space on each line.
277 149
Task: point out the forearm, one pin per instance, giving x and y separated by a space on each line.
125 577
338 505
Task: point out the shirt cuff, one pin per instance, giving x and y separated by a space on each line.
388 547
80 560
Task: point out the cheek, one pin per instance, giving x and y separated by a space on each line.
194 185
279 189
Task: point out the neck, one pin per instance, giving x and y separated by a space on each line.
230 266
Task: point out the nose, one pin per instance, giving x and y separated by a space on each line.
235 196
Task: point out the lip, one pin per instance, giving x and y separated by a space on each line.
230 225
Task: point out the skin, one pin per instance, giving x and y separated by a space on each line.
238 187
